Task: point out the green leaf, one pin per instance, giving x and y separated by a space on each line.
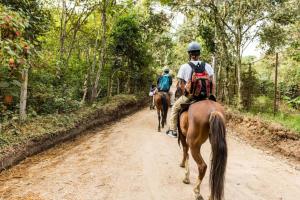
16 83
4 84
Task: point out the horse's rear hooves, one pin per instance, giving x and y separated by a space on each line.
199 197
186 181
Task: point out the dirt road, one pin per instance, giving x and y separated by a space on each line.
129 160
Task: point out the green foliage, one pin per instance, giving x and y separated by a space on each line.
294 103
262 104
272 37
207 33
126 43
14 54
251 87
138 44
38 17
126 37
291 121
45 98
278 32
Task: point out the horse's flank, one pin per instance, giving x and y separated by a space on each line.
205 119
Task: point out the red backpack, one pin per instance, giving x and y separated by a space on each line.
201 85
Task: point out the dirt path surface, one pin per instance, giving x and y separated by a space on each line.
129 160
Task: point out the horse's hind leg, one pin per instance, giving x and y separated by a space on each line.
195 150
185 161
158 114
162 119
185 149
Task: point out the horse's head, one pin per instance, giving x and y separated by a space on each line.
179 92
183 90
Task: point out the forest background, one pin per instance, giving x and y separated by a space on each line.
59 56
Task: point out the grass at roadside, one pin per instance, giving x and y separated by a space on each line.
14 133
289 121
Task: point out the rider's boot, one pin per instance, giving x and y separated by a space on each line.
172 133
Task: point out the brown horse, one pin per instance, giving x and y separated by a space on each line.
179 91
162 103
204 119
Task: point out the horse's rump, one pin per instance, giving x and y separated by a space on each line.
206 119
162 103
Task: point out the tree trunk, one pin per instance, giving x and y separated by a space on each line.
239 88
23 95
118 86
218 81
102 52
249 88
85 89
235 80
62 38
275 85
109 86
128 85
226 91
239 56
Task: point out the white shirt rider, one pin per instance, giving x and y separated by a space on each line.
185 70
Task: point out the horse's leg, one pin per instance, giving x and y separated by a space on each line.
182 130
166 114
185 160
195 150
158 114
162 118
185 150
183 120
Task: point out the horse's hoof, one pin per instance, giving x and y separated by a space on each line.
186 181
199 197
182 165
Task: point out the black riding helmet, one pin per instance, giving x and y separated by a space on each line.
194 48
166 70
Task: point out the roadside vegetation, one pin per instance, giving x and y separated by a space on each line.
247 83
61 58
58 57
15 133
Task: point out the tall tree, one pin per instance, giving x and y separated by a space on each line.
103 9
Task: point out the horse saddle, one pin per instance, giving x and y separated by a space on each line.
185 106
163 93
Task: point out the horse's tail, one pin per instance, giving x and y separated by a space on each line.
164 105
217 137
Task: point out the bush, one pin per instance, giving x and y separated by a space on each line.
295 103
262 104
47 100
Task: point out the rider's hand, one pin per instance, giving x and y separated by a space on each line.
188 85
212 97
